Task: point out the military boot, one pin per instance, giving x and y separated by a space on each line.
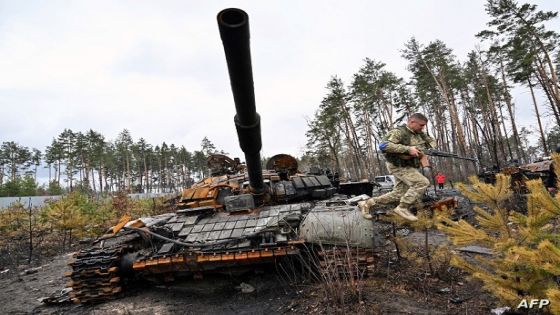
402 210
365 206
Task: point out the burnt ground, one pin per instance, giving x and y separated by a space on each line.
398 286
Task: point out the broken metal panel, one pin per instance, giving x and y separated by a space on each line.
166 248
208 227
225 234
176 227
185 231
319 193
197 228
239 203
279 189
542 166
240 224
324 180
202 237
219 226
237 233
214 235
310 182
230 225
191 237
248 231
191 220
262 222
274 211
476 249
298 183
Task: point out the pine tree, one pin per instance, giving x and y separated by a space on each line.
515 24
65 217
16 157
526 258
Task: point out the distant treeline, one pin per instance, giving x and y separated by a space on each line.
88 162
469 102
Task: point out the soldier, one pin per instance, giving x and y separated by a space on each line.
402 148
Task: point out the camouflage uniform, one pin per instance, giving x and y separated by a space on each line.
410 183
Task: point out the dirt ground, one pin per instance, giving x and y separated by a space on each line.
397 287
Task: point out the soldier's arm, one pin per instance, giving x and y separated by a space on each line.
431 142
391 144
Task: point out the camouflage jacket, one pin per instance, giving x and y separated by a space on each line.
399 140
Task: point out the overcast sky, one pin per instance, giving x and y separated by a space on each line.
157 68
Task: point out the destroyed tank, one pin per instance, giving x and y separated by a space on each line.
520 174
241 217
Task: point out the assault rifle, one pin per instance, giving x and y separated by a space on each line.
432 152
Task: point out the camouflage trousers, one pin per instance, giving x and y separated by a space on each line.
409 187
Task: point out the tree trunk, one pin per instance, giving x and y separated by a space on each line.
370 149
59 171
494 118
101 177
128 179
470 118
30 218
543 138
159 175
555 108
145 174
505 132
554 78
507 97
93 179
351 138
69 175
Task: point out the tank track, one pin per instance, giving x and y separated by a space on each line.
96 274
345 262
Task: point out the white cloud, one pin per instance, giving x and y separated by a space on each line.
158 68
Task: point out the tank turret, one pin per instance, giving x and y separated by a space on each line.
234 31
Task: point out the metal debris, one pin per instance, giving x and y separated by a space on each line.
444 290
57 297
476 249
245 288
30 271
500 310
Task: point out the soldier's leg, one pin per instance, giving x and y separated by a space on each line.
393 196
416 183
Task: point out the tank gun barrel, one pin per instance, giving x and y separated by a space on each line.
234 31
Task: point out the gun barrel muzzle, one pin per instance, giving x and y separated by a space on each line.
234 31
